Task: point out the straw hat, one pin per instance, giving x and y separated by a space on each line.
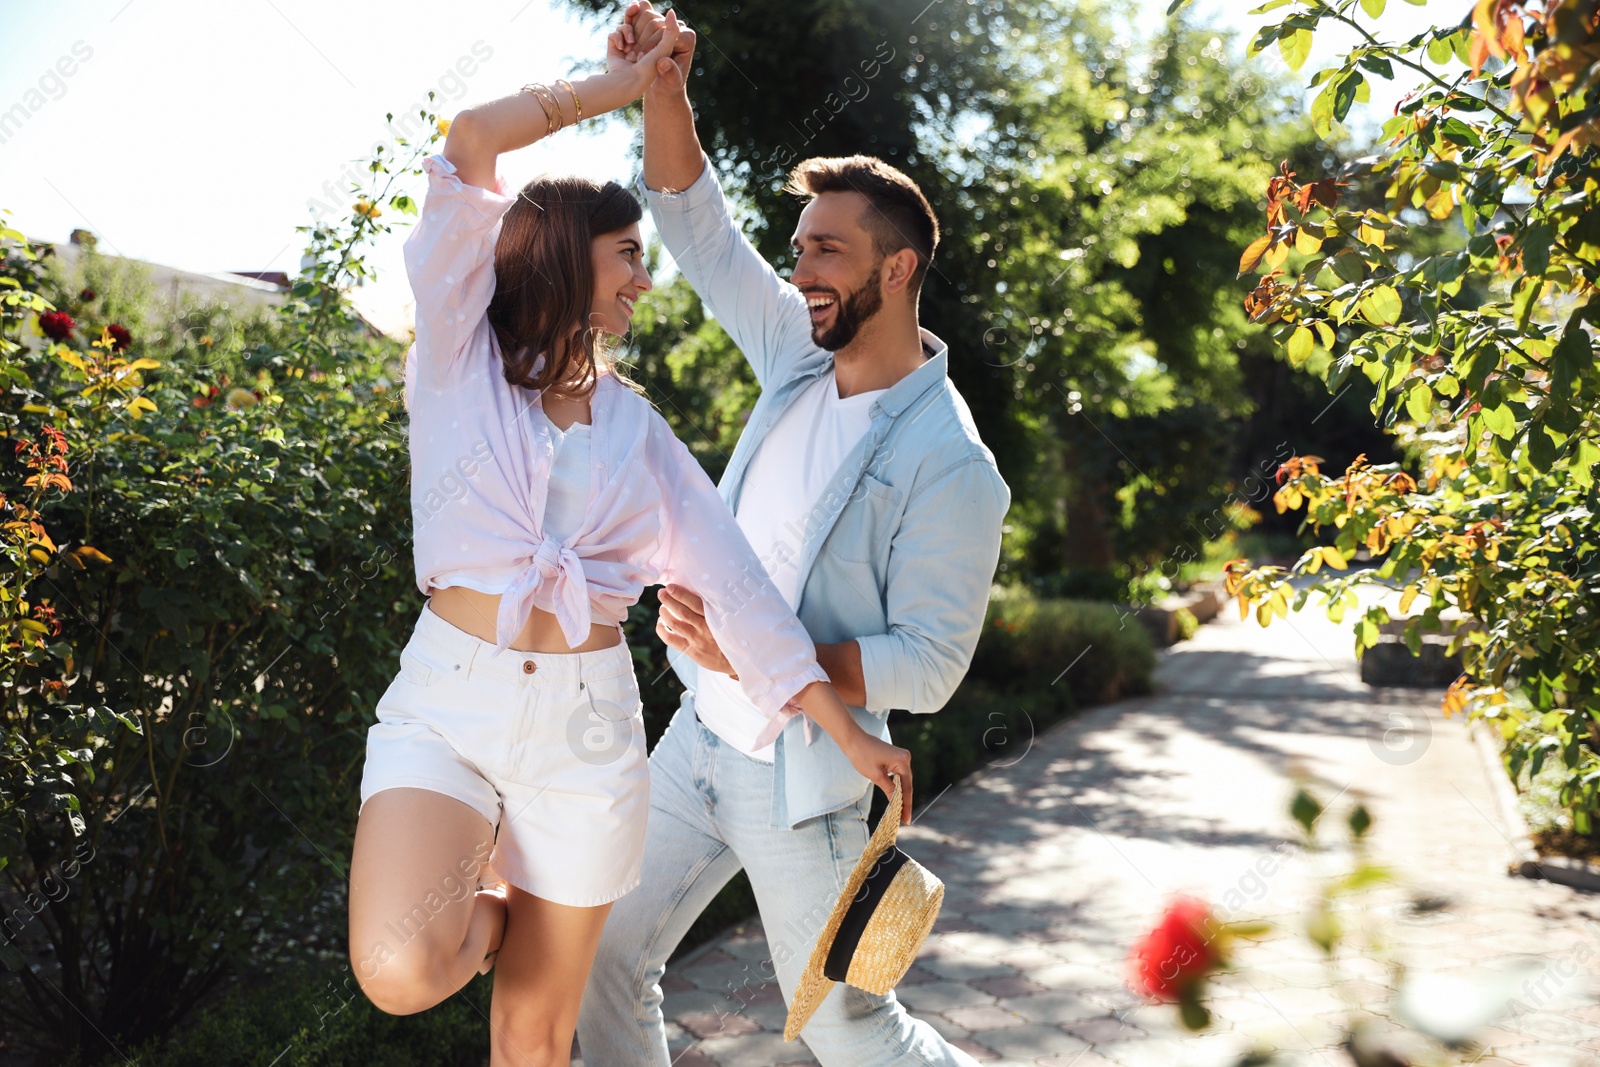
877 926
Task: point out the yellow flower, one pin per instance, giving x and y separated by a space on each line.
240 397
205 339
444 127
367 208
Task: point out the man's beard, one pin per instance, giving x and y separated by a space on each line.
853 313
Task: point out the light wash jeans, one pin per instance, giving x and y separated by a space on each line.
710 808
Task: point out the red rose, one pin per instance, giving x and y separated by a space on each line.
86 295
120 337
57 325
1176 953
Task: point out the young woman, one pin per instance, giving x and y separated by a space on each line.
545 494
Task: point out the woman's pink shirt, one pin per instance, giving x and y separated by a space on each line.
480 464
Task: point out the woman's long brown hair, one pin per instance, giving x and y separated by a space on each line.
544 279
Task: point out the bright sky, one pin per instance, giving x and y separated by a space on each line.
195 134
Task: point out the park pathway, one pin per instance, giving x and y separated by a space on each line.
1056 864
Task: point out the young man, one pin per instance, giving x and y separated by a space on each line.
862 483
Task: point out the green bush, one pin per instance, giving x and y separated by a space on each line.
315 1016
204 585
1093 649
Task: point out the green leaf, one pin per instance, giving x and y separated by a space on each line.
1349 267
1382 306
1583 465
1249 930
1373 8
1322 927
1304 809
1301 344
1360 820
1536 243
1365 876
1378 65
1193 1013
1542 448
1322 111
1419 403
1570 357
1295 48
1500 420
1346 92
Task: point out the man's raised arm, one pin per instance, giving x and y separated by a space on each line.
764 315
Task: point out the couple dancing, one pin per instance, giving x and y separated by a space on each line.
494 831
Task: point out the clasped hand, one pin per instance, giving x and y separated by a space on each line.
654 45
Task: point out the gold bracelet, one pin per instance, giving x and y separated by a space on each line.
547 102
532 91
549 96
577 105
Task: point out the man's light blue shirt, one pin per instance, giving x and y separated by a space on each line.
899 551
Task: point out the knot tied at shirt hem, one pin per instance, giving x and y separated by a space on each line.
556 563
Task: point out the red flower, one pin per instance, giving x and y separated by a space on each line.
205 401
86 295
120 337
1176 954
57 325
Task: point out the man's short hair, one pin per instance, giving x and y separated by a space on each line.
898 215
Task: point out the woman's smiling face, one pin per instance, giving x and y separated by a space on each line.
619 277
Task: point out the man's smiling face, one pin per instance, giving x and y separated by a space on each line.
837 267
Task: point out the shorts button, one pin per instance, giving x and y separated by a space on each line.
528 666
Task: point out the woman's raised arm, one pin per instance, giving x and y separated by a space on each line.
479 134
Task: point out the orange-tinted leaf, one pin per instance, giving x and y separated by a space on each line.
1252 255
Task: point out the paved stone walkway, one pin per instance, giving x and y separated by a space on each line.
1054 866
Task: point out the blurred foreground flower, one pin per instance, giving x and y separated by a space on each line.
1452 1008
368 208
1170 964
56 325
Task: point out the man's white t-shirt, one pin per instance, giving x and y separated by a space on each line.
787 476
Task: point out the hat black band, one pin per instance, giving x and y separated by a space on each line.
857 915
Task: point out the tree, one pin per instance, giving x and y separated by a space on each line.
1088 188
1481 354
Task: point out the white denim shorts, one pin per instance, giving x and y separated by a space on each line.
549 747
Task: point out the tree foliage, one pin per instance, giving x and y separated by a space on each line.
1091 188
1480 355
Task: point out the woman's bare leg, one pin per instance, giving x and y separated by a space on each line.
539 979
418 928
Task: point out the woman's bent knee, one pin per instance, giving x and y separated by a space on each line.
401 984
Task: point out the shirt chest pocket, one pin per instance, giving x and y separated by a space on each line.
866 524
